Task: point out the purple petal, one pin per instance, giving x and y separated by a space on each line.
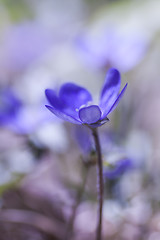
74 96
112 83
90 114
63 115
60 105
110 89
114 105
53 99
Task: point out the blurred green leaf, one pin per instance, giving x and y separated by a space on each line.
18 9
11 184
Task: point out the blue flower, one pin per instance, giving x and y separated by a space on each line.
9 106
109 47
17 116
73 104
120 168
23 44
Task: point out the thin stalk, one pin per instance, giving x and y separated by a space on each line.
100 184
70 227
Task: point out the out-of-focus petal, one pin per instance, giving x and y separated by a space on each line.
10 105
114 105
74 96
94 52
23 44
63 115
89 115
82 135
53 99
108 48
121 167
132 46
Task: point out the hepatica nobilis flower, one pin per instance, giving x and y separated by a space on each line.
108 48
74 103
121 167
10 106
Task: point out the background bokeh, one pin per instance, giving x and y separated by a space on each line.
44 172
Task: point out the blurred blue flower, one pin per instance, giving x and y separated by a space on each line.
83 138
110 48
10 106
74 102
23 44
17 116
122 166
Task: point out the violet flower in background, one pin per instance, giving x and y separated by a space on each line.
29 119
19 117
10 106
119 168
23 44
110 48
73 104
113 169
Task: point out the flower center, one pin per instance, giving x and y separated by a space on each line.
90 114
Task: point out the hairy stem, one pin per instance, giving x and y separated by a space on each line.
100 185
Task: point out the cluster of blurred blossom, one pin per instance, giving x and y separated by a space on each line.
45 160
111 48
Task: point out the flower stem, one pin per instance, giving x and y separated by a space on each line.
100 184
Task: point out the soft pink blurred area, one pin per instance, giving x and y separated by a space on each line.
42 161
